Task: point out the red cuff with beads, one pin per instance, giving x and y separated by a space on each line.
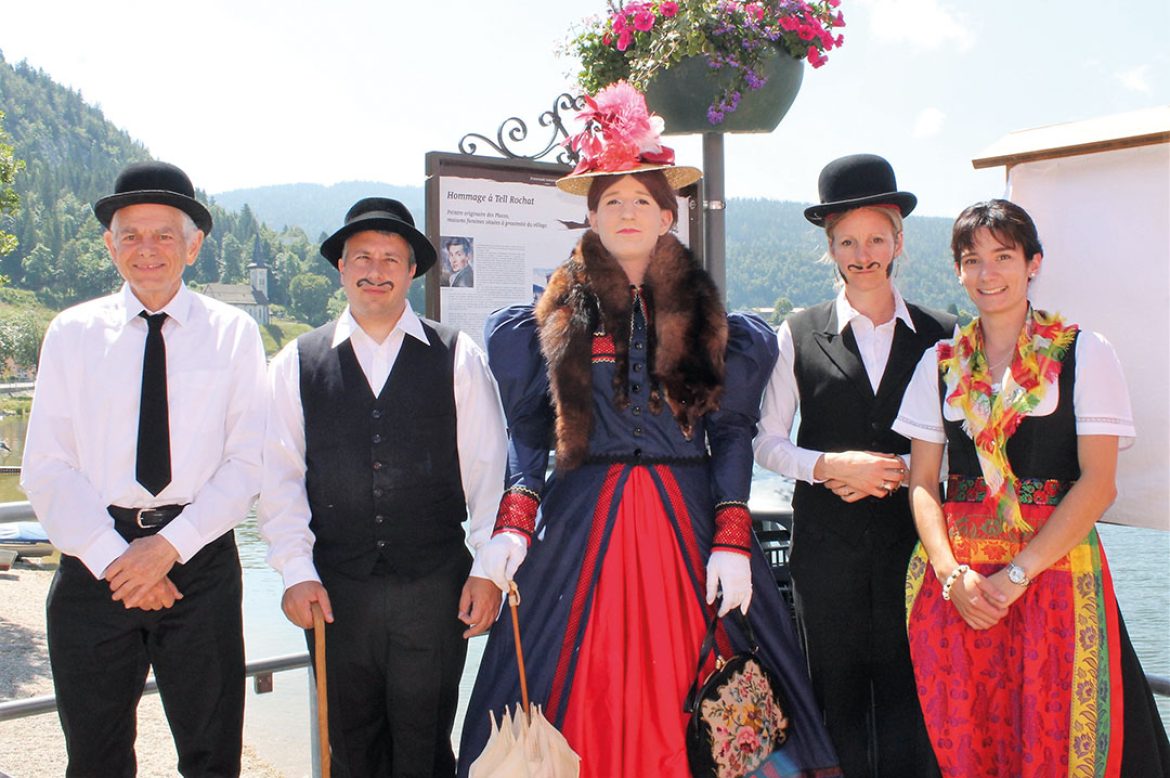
517 512
733 528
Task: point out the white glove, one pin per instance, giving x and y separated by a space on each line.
732 572
499 558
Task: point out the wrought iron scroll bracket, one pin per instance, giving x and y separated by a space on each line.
513 130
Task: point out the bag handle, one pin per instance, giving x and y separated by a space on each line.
709 645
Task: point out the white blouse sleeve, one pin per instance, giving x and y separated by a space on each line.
920 416
1101 397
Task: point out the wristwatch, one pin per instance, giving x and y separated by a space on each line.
1016 574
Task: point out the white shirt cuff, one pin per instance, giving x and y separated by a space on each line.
298 571
102 552
182 534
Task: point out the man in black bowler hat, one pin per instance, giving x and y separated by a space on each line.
385 434
143 453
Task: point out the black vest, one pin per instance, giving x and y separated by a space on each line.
840 412
1043 447
382 472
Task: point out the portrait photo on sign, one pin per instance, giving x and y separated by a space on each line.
458 261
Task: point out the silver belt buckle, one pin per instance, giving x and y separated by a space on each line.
138 518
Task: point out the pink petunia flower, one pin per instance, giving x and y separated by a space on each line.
643 20
669 8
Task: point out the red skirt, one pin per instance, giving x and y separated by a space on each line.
624 715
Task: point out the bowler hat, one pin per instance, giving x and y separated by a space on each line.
382 215
153 182
857 180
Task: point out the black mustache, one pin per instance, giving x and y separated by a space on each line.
367 282
857 266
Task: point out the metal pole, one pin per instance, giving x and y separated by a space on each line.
714 204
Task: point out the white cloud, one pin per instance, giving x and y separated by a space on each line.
927 24
1136 79
928 123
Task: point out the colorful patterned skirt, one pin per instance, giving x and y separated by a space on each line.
1040 693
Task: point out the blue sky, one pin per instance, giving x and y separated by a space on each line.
245 93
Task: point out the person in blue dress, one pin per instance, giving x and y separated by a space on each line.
651 392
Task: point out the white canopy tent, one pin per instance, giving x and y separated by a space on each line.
1099 191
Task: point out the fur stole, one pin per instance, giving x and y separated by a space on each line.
687 332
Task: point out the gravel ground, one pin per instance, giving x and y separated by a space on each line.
34 747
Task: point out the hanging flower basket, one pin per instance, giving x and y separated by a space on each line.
683 95
720 51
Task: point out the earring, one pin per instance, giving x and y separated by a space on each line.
1031 276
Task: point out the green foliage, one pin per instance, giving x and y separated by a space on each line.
20 343
309 295
780 310
9 199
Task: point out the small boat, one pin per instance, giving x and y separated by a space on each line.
24 539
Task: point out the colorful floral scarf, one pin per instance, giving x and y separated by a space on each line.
990 417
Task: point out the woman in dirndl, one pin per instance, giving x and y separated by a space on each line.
651 392
1023 665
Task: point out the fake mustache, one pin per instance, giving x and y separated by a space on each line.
858 266
367 282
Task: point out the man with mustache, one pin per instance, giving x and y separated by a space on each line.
385 433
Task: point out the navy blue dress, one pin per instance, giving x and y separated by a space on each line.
580 533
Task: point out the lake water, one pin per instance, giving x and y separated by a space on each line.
277 723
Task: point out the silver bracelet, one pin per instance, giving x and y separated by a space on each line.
954 576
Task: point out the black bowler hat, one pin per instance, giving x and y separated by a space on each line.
383 215
857 180
153 182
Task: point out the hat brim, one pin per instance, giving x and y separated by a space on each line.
424 252
105 208
677 176
904 201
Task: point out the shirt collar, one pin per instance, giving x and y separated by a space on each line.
408 323
179 308
847 313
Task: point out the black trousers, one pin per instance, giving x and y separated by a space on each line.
851 612
394 655
100 653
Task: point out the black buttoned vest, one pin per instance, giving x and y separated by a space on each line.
382 472
840 412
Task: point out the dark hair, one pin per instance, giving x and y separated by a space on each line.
654 181
1007 222
465 243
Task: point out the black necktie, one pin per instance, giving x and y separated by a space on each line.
154 431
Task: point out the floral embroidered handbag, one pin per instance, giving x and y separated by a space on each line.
738 716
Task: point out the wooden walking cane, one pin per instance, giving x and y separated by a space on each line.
513 603
322 700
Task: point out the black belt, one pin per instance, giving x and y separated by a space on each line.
146 518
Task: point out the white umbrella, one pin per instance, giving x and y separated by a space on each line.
524 745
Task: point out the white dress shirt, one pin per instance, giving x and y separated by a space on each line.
480 437
773 445
81 449
1100 397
